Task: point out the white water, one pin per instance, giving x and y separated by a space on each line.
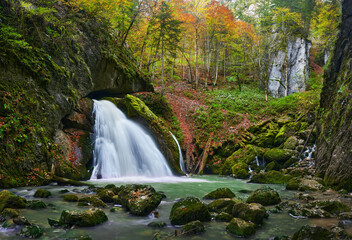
182 163
122 148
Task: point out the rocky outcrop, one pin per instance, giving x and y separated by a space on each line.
51 57
289 69
334 143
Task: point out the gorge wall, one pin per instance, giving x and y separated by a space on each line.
52 55
334 143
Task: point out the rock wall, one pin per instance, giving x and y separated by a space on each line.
334 143
290 69
51 56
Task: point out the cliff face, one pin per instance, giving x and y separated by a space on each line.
291 68
52 55
334 143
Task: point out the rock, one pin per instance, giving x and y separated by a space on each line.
291 143
20 220
302 184
53 222
264 196
220 193
187 210
222 205
70 198
193 228
272 166
12 213
278 155
308 232
240 170
113 188
345 216
332 206
42 193
36 204
33 231
240 227
253 212
161 224
97 202
9 224
106 195
266 139
10 200
223 217
116 209
87 218
274 177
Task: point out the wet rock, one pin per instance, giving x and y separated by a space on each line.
240 227
106 195
301 184
36 204
70 197
116 209
20 220
97 202
220 193
193 228
278 155
113 188
160 224
87 218
10 200
12 213
42 193
222 205
53 222
33 231
308 232
332 206
274 177
187 210
253 212
264 196
223 217
304 196
291 143
9 224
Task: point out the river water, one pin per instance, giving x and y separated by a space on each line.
122 225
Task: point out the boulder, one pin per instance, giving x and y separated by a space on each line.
70 197
264 196
223 217
332 206
253 212
302 184
10 200
278 155
240 227
291 143
42 193
160 224
87 218
33 231
36 204
193 228
220 193
22 221
187 210
10 212
106 195
274 177
222 205
345 216
308 232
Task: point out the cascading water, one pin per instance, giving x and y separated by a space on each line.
182 163
122 148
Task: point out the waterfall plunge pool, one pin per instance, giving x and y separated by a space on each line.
122 225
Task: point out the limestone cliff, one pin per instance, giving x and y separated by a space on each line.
334 144
51 56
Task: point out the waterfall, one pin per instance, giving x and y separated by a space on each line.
122 148
182 163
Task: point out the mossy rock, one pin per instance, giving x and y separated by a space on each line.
246 154
160 224
106 195
187 210
273 177
193 228
223 217
116 209
10 212
266 139
302 184
291 143
291 162
87 218
36 204
22 221
42 193
10 200
33 231
70 197
222 205
240 227
308 232
220 193
293 184
273 166
240 170
264 196
331 206
253 212
113 188
278 155
97 202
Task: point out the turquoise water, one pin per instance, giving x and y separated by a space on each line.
122 225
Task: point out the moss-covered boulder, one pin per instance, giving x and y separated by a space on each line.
274 177
70 197
278 155
187 210
42 193
113 188
10 212
240 170
273 166
10 200
332 206
36 204
160 224
193 228
253 212
291 143
33 231
264 196
308 232
222 205
240 227
265 140
302 184
220 193
22 221
223 217
87 218
106 195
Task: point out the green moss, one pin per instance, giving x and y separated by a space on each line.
271 177
10 200
222 205
240 227
223 217
87 218
220 193
70 197
264 196
240 170
42 193
193 228
278 155
35 204
253 212
33 231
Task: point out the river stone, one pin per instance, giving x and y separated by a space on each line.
10 200
160 224
278 155
70 197
264 196
273 176
187 210
42 193
223 217
193 228
20 220
106 195
222 205
240 227
36 204
332 206
12 213
33 231
308 232
253 212
345 216
301 184
87 218
291 143
220 193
